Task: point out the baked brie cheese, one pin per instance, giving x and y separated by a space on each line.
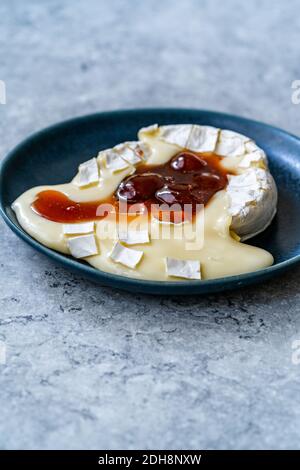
176 204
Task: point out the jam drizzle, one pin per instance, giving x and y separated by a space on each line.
188 178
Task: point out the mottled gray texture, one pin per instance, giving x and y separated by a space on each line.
90 367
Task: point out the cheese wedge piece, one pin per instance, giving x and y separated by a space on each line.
231 144
252 147
126 256
142 149
254 154
133 152
203 139
248 159
82 246
88 173
72 229
115 162
129 155
134 237
190 136
177 134
187 269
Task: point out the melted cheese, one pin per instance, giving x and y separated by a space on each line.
219 255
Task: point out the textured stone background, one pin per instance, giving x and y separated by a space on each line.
90 367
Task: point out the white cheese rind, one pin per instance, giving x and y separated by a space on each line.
126 256
133 152
82 246
203 138
72 229
129 155
254 154
134 237
231 144
141 149
253 201
114 161
88 172
187 269
254 157
177 134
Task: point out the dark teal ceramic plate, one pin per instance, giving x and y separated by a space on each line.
52 155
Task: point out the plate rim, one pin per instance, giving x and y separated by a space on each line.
118 280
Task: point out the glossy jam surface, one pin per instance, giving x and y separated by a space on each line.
188 178
56 206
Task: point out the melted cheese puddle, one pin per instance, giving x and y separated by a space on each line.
220 255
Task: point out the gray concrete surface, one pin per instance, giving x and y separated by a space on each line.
90 367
